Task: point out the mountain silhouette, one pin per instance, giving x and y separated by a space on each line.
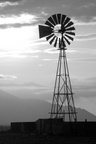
83 114
14 109
39 92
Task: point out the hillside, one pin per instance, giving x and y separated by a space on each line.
13 109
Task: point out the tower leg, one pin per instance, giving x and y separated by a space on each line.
63 102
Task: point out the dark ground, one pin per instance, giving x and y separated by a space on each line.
10 138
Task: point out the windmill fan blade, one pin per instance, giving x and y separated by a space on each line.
50 36
71 33
55 44
67 41
44 31
63 18
69 24
66 20
52 40
59 18
51 20
69 29
69 37
49 24
55 18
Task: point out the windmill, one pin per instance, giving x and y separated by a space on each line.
59 32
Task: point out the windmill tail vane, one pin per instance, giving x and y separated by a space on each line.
59 32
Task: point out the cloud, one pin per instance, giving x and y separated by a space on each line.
49 59
88 60
11 1
84 21
31 51
21 85
40 42
10 54
84 84
7 3
42 10
51 51
55 51
87 6
86 37
5 77
77 8
44 13
23 18
19 54
32 84
46 8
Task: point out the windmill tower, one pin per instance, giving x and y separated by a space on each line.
59 31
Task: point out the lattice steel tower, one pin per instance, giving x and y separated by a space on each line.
59 31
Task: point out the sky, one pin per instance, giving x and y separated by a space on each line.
29 63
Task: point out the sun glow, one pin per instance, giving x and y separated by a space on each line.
16 39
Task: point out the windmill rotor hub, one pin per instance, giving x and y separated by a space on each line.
57 28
